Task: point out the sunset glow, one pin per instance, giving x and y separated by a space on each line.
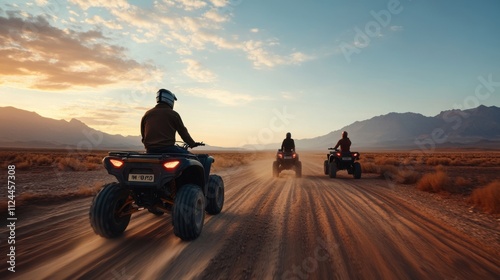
247 71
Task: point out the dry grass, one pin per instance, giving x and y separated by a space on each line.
60 159
487 198
452 158
72 161
401 174
434 182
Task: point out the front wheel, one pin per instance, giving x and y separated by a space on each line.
357 170
188 212
215 196
325 167
110 210
332 172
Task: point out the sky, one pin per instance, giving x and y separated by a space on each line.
248 71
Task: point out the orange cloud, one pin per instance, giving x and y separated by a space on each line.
40 56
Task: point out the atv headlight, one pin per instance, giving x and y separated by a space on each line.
171 164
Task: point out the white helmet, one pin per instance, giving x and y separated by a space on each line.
165 96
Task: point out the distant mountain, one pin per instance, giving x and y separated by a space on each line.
478 127
22 128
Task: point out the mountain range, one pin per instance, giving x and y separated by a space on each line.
478 127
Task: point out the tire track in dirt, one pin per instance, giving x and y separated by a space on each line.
282 228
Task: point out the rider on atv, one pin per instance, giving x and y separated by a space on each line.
344 143
288 144
159 125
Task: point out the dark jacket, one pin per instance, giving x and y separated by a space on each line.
288 145
345 144
158 127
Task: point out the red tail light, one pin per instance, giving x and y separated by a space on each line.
355 154
171 164
116 163
294 155
338 154
280 155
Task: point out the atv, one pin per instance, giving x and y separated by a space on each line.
286 161
177 183
337 160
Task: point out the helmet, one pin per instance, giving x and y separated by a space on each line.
288 135
165 96
344 134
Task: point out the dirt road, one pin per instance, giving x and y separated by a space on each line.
270 228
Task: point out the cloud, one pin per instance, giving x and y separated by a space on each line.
194 29
215 16
287 95
261 57
197 72
45 57
219 3
187 5
97 20
111 4
222 96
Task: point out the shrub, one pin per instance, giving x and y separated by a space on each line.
434 182
438 161
42 160
386 161
487 198
74 164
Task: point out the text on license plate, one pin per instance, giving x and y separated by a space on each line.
288 157
141 177
346 158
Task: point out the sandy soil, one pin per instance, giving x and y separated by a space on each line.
270 228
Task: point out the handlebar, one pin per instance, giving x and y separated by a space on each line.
333 149
185 145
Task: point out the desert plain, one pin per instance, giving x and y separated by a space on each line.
411 215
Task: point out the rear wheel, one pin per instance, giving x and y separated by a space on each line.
325 167
276 171
357 170
215 196
188 212
298 169
332 171
109 213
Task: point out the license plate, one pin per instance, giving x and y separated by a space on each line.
141 178
346 158
288 157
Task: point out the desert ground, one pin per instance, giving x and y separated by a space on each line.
410 216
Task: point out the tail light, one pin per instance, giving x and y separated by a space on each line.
280 155
355 155
294 155
338 154
116 163
171 164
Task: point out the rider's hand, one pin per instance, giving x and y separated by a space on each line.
196 144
